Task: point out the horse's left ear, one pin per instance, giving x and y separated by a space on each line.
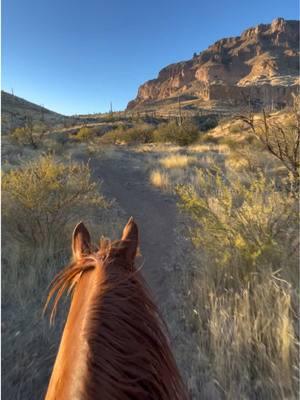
81 241
130 239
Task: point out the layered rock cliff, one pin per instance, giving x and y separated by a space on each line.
261 66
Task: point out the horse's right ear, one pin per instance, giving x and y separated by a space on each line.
81 242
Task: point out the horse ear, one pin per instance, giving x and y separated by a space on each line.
81 241
130 238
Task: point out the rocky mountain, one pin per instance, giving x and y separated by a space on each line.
259 68
15 111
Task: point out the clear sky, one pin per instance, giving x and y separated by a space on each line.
77 56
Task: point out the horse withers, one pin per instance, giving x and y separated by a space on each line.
113 345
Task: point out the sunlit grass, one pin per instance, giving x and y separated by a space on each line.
177 161
159 179
243 289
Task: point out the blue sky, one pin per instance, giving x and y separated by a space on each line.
78 56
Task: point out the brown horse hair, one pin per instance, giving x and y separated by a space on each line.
129 355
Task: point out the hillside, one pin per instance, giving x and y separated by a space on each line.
260 67
15 110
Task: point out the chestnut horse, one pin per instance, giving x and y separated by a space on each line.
113 346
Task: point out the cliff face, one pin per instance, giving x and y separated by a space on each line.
261 66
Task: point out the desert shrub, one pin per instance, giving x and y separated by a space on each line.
62 138
100 130
85 134
29 134
43 196
244 290
111 137
140 133
182 135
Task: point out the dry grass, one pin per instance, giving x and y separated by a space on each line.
177 161
250 352
157 148
159 179
244 292
242 289
177 169
28 344
201 149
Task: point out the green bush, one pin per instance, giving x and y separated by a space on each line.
182 135
40 198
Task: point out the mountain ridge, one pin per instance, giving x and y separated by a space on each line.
261 64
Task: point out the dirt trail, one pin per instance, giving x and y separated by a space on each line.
164 248
125 178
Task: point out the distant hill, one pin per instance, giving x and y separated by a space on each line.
260 67
15 110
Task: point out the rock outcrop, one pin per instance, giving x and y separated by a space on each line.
260 67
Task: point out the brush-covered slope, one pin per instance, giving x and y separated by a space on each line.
16 110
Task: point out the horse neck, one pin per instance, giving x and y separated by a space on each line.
113 347
129 356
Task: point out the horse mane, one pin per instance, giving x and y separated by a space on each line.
129 355
67 279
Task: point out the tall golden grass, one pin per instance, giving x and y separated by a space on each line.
177 161
244 289
159 179
241 208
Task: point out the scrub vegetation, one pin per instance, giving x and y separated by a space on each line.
237 288
241 205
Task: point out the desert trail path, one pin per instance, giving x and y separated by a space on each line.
125 178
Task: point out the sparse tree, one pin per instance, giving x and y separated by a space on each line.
30 134
281 140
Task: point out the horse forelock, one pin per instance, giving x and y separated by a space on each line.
66 280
